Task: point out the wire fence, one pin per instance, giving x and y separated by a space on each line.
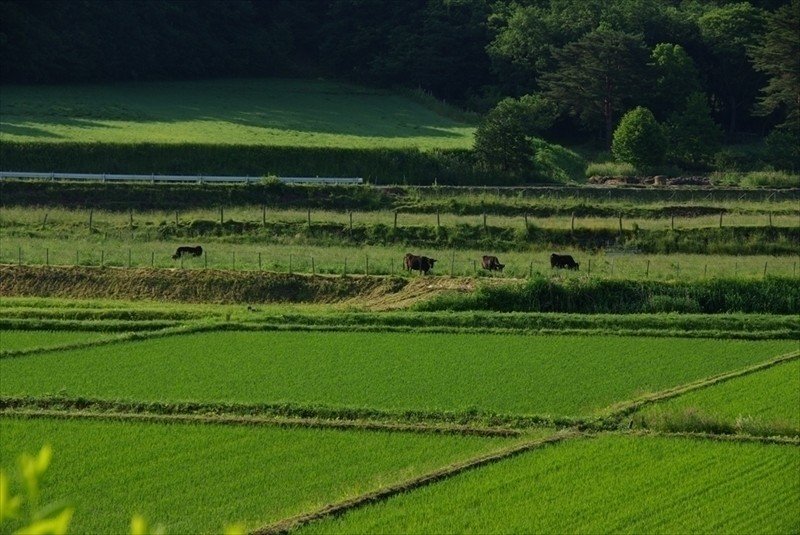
609 264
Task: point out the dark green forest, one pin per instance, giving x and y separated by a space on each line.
712 70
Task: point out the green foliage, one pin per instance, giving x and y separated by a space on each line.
417 371
51 519
601 485
597 76
693 135
503 140
783 148
676 78
776 56
773 294
557 163
640 140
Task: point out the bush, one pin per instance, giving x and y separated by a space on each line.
783 148
694 137
639 140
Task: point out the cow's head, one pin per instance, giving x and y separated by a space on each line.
431 261
501 266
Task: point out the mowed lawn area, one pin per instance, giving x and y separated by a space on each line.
194 478
509 374
612 484
301 113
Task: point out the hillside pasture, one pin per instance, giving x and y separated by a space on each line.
612 484
296 113
549 376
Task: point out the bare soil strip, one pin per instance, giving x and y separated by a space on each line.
615 413
334 509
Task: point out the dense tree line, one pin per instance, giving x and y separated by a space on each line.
593 59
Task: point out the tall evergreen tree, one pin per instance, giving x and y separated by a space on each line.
778 56
597 76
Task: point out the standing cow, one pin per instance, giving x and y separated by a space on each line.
491 263
562 261
188 251
423 264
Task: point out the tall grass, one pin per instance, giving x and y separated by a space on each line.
771 295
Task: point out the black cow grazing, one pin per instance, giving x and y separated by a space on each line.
188 251
491 263
562 261
423 264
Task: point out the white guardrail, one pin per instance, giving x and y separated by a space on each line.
153 178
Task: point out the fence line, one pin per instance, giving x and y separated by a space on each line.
608 266
154 178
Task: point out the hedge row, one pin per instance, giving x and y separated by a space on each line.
771 295
376 166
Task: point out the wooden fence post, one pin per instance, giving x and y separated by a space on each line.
351 220
705 270
620 223
770 219
437 218
19 255
366 264
672 222
263 215
309 217
525 216
290 262
152 259
485 227
313 268
233 260
720 220
77 258
765 269
129 257
590 267
130 218
259 261
647 270
530 270
572 223
345 266
44 223
395 220
91 215
102 257
47 256
176 218
391 266
205 259
452 263
221 215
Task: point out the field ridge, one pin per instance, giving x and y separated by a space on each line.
289 524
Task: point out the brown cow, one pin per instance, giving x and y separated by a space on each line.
491 263
563 261
421 263
188 251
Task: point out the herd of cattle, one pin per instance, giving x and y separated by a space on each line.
423 264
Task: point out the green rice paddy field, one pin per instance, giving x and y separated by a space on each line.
199 478
771 395
613 484
534 375
301 113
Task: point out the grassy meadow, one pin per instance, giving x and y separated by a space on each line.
10 339
297 113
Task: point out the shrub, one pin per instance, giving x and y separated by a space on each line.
610 169
639 140
693 135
